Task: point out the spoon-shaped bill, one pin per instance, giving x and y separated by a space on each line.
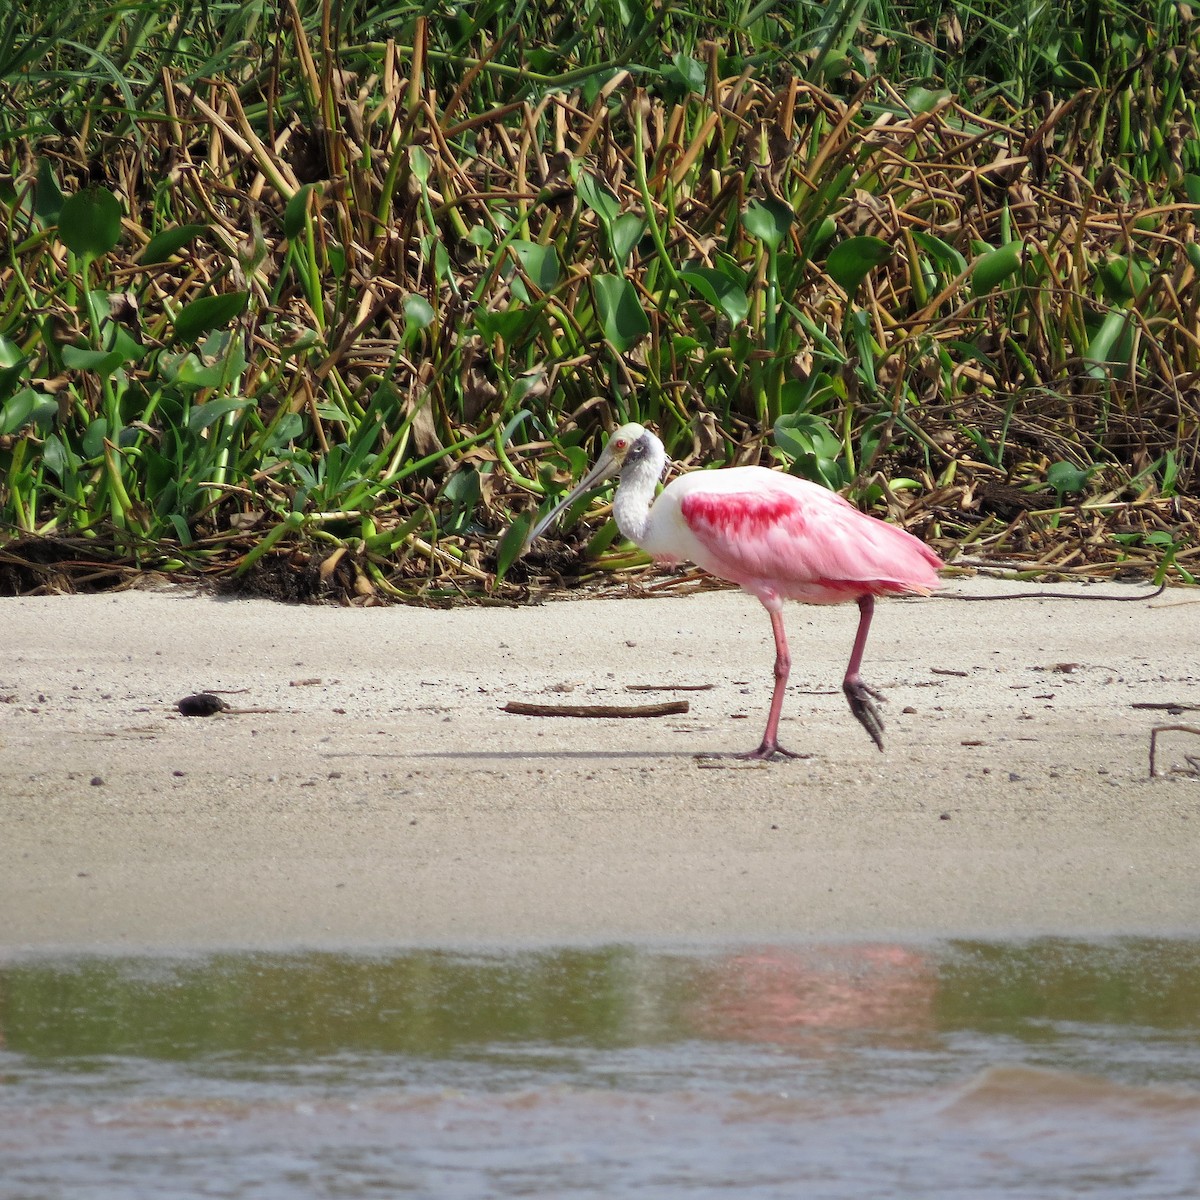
605 466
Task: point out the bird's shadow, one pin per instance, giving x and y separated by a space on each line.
729 756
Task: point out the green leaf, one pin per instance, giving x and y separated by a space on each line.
170 241
719 290
621 313
1122 278
1100 347
511 545
209 313
204 415
506 324
1191 189
813 447
58 458
992 268
1066 477
688 72
90 221
941 252
47 196
623 235
922 100
420 164
28 407
597 197
295 215
93 438
101 362
818 236
768 220
12 366
850 261
539 264
418 315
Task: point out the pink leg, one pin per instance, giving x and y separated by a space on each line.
859 694
783 664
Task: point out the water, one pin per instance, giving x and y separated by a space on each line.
1036 1069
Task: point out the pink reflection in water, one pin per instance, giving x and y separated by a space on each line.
791 995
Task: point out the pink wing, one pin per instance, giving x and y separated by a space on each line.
804 544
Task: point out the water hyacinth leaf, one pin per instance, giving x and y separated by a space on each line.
768 220
1122 278
418 316
812 446
28 407
505 324
204 415
1192 250
128 347
93 438
100 362
295 214
1066 477
719 290
58 458
169 242
688 72
941 252
189 371
419 164
993 267
923 100
12 366
539 264
1102 345
621 313
1191 189
623 235
90 221
850 262
208 313
512 542
819 237
47 195
597 197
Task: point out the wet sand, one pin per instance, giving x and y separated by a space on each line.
385 799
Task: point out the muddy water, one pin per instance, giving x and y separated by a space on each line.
1035 1069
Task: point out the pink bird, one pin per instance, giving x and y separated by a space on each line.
777 537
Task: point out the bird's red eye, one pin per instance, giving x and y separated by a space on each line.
621 443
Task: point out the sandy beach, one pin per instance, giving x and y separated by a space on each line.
383 798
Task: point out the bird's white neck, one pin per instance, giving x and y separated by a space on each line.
639 477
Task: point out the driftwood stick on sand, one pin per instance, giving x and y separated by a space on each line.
667 709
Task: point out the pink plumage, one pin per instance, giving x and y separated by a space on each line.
778 537
800 544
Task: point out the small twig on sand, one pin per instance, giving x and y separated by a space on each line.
668 687
1171 706
667 709
1191 758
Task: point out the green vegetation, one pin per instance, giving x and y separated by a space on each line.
329 296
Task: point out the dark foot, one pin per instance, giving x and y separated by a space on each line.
767 751
862 699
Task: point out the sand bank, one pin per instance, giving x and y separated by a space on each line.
385 799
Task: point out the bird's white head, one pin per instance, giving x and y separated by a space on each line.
632 443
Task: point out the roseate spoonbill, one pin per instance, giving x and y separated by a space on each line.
777 537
